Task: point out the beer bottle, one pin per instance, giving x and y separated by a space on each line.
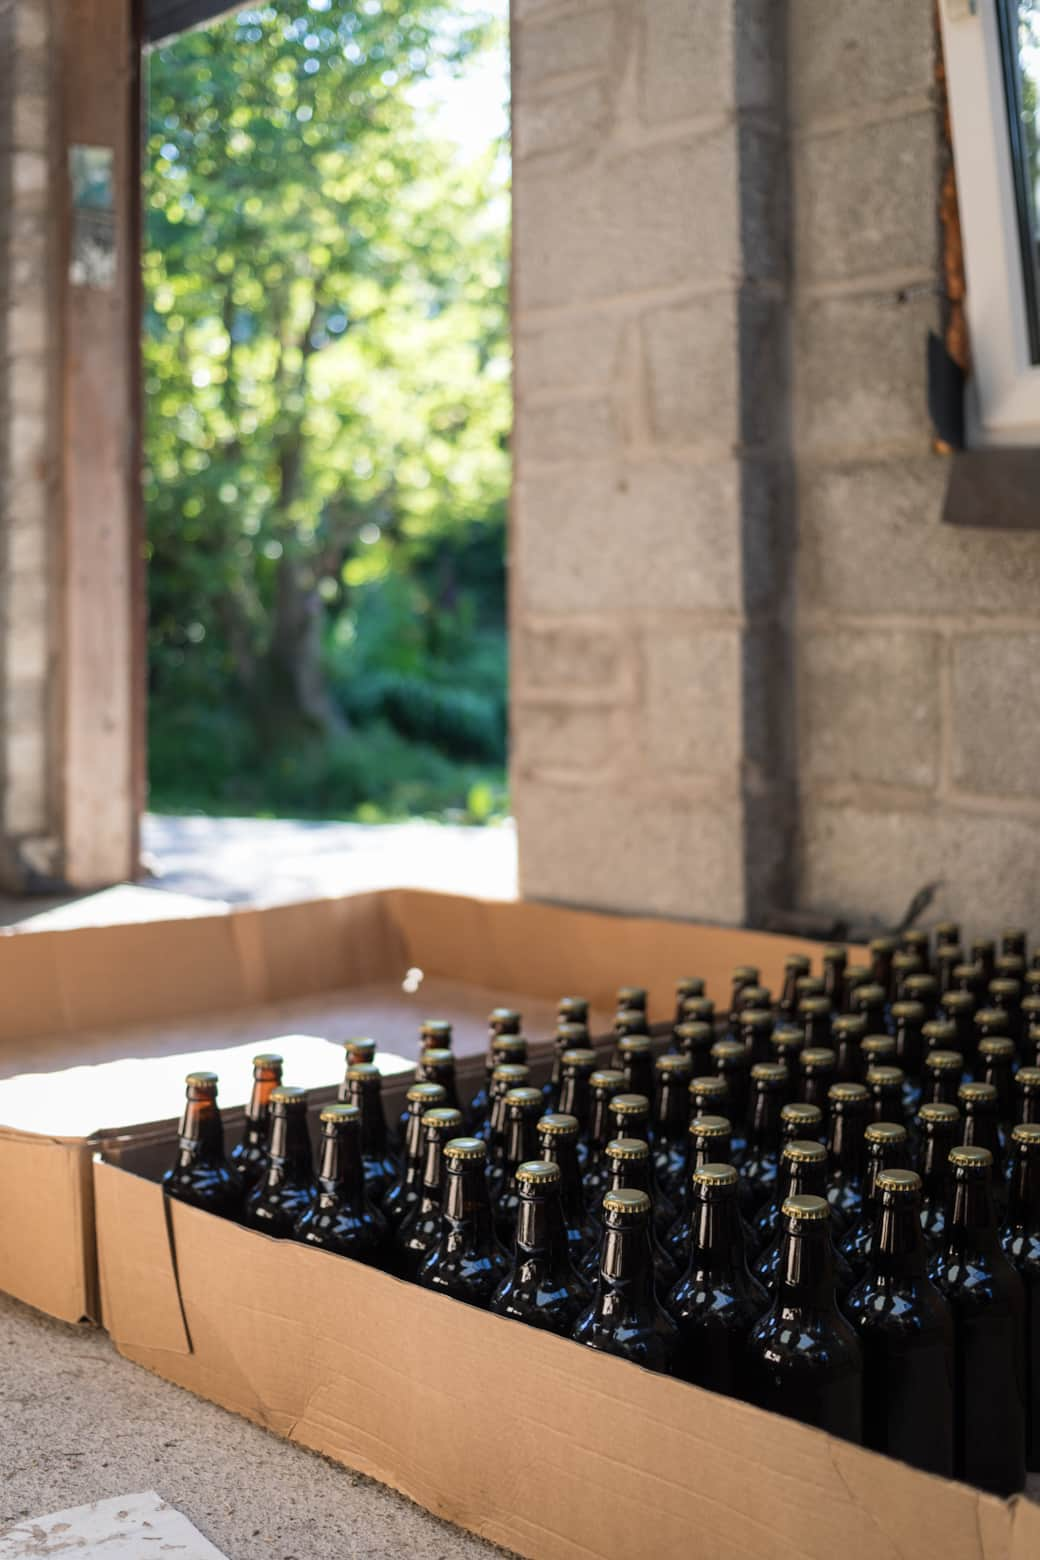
1006 995
803 1173
969 978
947 957
630 1168
756 1027
803 1358
942 1077
576 1069
762 1156
1013 941
939 1130
708 1144
340 1216
636 1060
631 1116
604 1084
906 1333
807 986
421 1225
909 1018
882 951
885 1085
986 1297
888 1148
814 1014
404 1192
743 975
939 1034
801 1120
959 1007
716 1302
569 1037
795 966
856 975
817 1069
506 1048
871 1002
699 1010
558 1145
435 1034
466 1260
633 998
523 1108
573 1010
200 1174
980 1129
359 1050
1027 1095
731 1063
540 1286
671 1119
924 989
903 966
989 1021
835 963
849 1032
687 986
625 1317
947 932
627 1022
995 1062
876 1051
249 1155
509 1075
917 941
436 1064
694 1040
365 1085
849 1114
287 1185
1031 1028
787 1043
708 1096
754 999
984 957
1020 1238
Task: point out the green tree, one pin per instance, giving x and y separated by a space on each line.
325 352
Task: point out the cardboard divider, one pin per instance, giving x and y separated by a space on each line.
549 1449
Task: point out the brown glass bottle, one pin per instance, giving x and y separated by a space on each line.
1027 1095
436 1064
887 1148
799 1119
996 1059
523 1108
786 1044
631 1168
631 1118
814 1015
755 1026
466 1261
340 1216
541 1286
959 1007
871 1002
287 1185
882 951
506 1048
761 1159
632 997
636 1061
856 975
803 1173
807 986
627 1022
904 964
708 1096
708 1144
1006 994
916 940
694 1040
1013 941
906 1333
922 988
886 1086
249 1155
947 958
569 1037
849 1031
947 932
795 966
743 975
942 1077
938 1130
699 1010
986 1298
984 957
817 1070
576 1069
1020 1238
625 1317
404 1192
835 963
558 1145
365 1086
731 1063
435 1034
604 1084
359 1050
981 1129
670 1122
573 1010
686 987
803 1358
200 1175
716 1302
849 1114
421 1224
908 1019
509 1075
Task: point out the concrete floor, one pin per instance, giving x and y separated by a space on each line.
78 1423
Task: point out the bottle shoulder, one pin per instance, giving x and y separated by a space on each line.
802 1340
910 1307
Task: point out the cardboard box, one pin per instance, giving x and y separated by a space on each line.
99 1024
531 1441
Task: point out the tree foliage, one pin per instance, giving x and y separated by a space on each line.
327 411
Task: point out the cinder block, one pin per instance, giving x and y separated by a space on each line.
709 56
693 703
32 24
869 706
625 851
868 864
859 374
29 174
843 58
27 327
557 737
996 713
30 121
577 661
570 120
556 45
576 353
605 538
566 430
865 200
870 541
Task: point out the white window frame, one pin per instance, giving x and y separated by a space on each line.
1003 401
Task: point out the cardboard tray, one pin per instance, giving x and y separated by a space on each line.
529 1440
100 1023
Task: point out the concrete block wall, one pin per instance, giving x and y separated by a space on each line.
29 515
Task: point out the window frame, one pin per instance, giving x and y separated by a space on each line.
1003 394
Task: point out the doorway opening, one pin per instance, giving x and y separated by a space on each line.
327 411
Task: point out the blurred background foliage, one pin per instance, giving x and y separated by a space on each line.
326 370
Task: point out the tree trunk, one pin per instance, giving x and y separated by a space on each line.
296 648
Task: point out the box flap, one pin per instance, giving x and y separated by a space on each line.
46 1225
137 1270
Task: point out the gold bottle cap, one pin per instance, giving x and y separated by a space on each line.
579 1057
573 1005
769 1072
538 1172
806 1115
428 1093
847 1093
804 1151
939 1112
269 1059
747 974
870 994
435 1026
631 996
339 1113
465 1148
874 1045
814 1007
992 1017
809 986
607 1078
1031 1004
504 1046
754 999
948 931
902 1182
632 1019
944 1061
885 1077
996 1045
630 1105
817 1056
1026 1132
513 1073
909 1007
442 1117
711 1083
968 1158
363 1072
573 1036
951 1000
756 1018
626 1200
634 1045
1028 1077
806 1209
689 986
849 1025
920 980
834 951
559 1124
524 1100
360 1043
627 1148
884 944
693 1029
979 1093
672 1062
715 1175
709 1126
703 1006
885 1132
438 1056
966 972
940 1028
201 1080
503 1016
798 961
286 1094
728 1051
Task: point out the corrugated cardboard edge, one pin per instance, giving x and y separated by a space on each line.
47 1252
523 1438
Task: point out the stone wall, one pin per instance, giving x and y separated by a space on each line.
29 512
726 260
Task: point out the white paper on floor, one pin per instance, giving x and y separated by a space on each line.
130 1527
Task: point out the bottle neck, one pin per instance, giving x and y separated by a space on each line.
201 1136
625 1259
631 1173
935 1151
1024 1191
467 1207
764 1121
521 1139
373 1126
574 1097
806 1275
433 1170
413 1136
981 1131
899 1250
671 1116
564 1152
717 1243
540 1231
600 1124
846 1145
259 1112
970 1222
909 1046
341 1175
290 1149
